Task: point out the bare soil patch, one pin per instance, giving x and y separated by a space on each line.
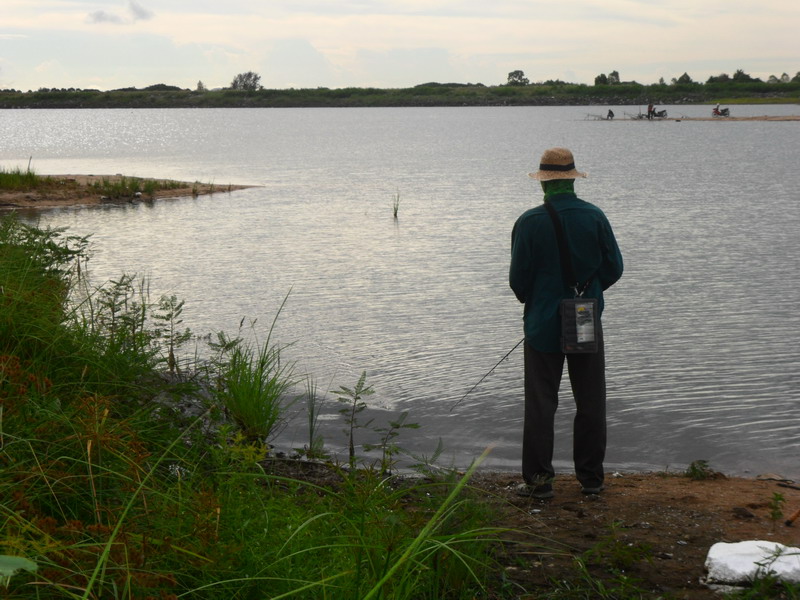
656 528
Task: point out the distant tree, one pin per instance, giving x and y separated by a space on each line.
613 77
773 79
601 79
517 78
796 77
201 87
162 87
661 81
785 78
741 77
721 78
682 79
249 81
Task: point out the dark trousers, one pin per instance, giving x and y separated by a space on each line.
542 380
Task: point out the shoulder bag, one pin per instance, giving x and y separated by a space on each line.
580 318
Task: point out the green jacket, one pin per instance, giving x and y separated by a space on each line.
535 273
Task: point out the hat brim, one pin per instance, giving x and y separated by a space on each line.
551 175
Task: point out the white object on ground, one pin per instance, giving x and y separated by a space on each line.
742 562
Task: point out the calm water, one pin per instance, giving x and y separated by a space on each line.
701 330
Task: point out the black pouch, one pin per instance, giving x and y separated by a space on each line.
580 325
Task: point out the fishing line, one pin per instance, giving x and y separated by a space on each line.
489 372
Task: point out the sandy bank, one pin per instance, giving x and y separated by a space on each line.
87 190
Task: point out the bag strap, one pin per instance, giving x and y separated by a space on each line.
567 272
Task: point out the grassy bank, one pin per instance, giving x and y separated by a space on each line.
112 188
110 488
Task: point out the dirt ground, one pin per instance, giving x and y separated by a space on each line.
78 190
656 528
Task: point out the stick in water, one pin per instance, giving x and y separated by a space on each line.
793 518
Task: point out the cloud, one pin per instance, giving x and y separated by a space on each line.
136 12
101 16
139 12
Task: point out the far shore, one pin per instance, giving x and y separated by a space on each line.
89 190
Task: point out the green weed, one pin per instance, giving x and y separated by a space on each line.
699 470
776 504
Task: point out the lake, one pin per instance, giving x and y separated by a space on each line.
701 330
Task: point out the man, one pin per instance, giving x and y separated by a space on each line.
536 278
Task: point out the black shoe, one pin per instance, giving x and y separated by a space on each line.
540 492
592 491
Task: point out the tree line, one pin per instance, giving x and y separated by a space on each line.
517 77
246 90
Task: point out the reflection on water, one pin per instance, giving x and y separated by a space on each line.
700 330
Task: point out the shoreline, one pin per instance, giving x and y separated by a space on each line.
93 190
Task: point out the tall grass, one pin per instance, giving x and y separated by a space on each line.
254 383
127 187
19 180
108 496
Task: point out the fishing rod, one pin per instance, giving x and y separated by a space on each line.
489 372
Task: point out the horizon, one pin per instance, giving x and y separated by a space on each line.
389 44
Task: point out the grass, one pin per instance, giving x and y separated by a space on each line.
107 490
18 180
127 187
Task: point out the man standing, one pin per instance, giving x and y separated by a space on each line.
536 278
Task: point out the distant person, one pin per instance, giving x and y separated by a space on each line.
535 276
610 115
651 111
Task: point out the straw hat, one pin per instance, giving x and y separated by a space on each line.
556 163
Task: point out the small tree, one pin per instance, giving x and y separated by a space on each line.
249 81
613 77
721 78
740 75
354 401
517 78
601 79
170 331
201 87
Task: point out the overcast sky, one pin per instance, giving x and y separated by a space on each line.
108 44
